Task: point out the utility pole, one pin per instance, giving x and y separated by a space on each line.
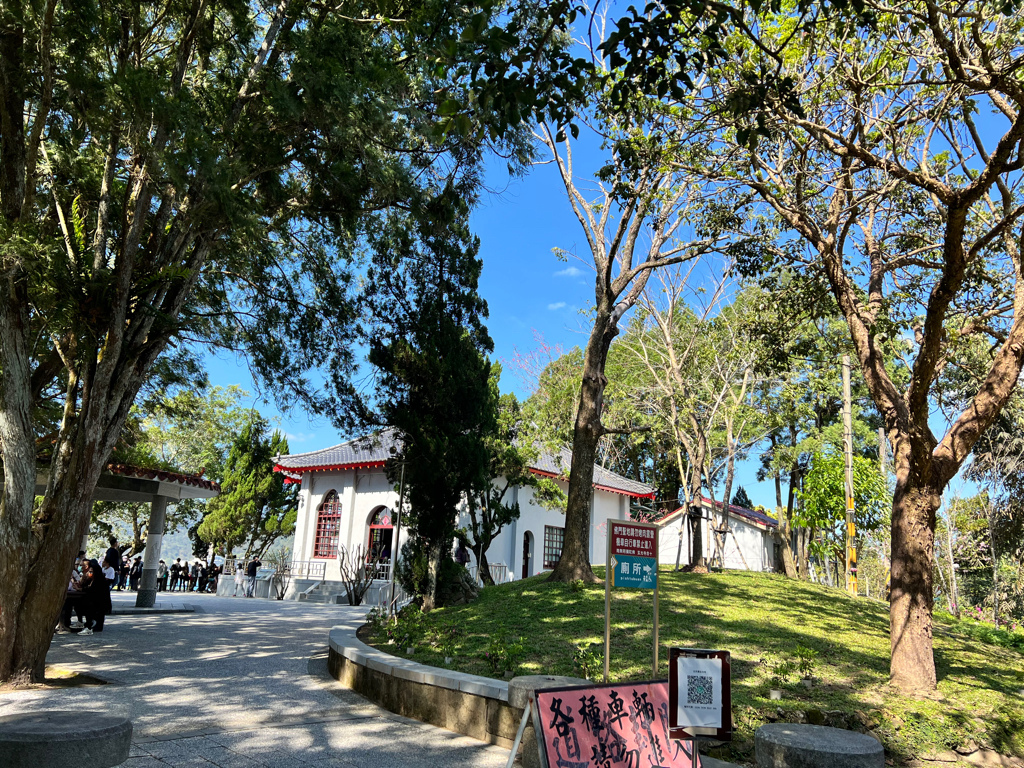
883 450
851 552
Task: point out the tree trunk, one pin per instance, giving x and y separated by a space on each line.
696 514
995 564
430 600
954 607
575 559
484 569
912 667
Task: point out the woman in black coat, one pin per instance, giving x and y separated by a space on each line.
96 598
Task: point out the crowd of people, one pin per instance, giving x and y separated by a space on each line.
92 581
88 596
125 573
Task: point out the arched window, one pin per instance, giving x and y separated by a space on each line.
328 526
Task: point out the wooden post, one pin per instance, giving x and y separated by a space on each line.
654 676
608 576
851 553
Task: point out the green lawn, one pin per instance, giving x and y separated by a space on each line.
755 616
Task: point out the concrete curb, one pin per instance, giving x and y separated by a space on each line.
472 705
344 642
129 609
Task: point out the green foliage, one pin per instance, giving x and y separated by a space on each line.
824 499
586 662
255 507
412 572
805 660
504 654
432 374
741 499
757 616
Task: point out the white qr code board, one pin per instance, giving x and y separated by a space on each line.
699 693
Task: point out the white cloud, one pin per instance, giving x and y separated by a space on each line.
569 272
556 306
300 437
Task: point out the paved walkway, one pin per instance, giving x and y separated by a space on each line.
241 683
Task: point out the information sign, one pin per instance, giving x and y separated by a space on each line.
603 726
633 554
632 563
700 694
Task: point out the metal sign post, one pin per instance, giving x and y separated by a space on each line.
632 563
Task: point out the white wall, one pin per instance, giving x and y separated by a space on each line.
507 546
361 492
757 544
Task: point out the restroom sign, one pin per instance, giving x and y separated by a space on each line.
633 554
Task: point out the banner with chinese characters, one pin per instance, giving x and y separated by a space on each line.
616 725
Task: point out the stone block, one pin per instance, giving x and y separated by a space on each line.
788 745
482 687
467 714
520 688
502 720
379 665
55 738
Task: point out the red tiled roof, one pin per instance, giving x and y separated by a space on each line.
752 515
127 470
374 450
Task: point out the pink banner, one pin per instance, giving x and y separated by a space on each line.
608 726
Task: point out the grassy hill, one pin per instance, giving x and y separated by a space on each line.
758 618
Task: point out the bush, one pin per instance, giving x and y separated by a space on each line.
411 573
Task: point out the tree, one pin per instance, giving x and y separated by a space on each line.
510 450
431 370
203 173
630 217
824 503
255 507
911 234
741 499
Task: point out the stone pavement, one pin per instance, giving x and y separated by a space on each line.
241 683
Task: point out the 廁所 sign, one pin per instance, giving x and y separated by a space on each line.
633 554
699 694
632 563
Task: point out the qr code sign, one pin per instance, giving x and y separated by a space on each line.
698 690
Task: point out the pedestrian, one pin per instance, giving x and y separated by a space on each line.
183 582
239 580
112 555
109 573
96 602
122 576
135 574
250 571
161 576
175 573
462 554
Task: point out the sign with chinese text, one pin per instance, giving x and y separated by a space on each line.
700 698
635 572
615 725
633 554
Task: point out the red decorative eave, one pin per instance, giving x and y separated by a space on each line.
127 470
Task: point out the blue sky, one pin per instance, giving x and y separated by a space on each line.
529 291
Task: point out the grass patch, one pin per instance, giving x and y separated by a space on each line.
760 618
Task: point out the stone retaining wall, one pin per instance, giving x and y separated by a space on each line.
467 704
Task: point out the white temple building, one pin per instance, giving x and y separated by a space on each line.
346 501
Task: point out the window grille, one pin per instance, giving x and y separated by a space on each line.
328 526
553 540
